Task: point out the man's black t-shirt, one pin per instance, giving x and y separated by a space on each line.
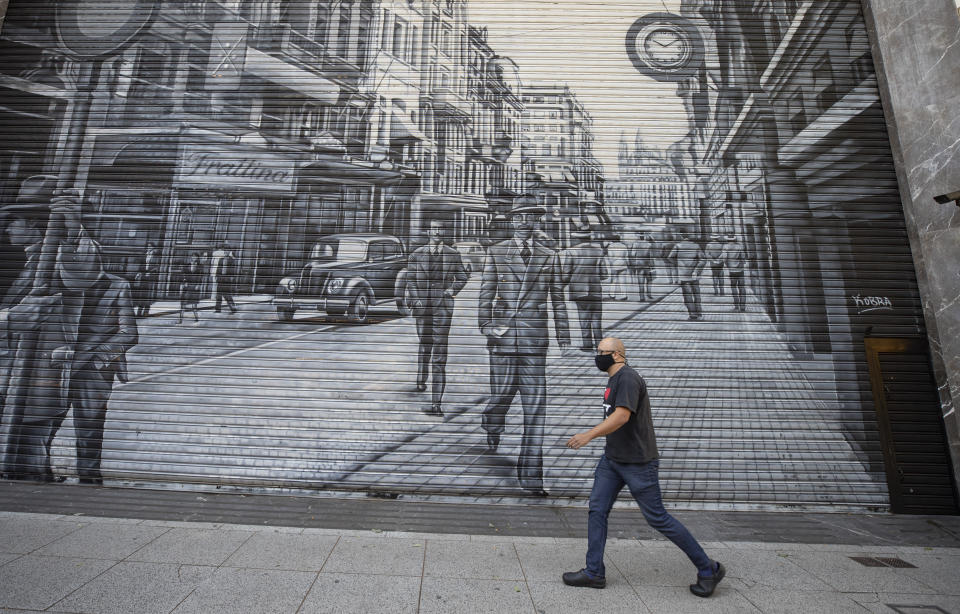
635 441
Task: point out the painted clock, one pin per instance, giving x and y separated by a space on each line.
665 46
96 28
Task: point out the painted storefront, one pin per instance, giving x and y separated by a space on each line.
310 220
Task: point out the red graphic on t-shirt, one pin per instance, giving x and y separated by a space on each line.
606 394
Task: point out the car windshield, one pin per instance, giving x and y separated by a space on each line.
342 250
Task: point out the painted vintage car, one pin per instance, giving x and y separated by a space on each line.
346 274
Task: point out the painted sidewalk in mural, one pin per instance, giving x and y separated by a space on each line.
247 400
723 432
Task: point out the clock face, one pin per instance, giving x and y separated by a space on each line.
98 28
102 18
665 47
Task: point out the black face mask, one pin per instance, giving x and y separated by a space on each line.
604 361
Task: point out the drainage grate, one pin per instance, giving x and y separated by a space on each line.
916 609
868 561
883 561
895 562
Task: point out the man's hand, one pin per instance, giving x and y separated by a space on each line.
579 440
68 203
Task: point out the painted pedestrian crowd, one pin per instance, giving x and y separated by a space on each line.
69 326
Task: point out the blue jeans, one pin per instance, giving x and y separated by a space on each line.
644 484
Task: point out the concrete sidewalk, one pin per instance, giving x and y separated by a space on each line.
58 563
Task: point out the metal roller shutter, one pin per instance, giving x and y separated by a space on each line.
295 153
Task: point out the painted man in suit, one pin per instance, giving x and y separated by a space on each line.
690 261
583 269
436 276
71 339
519 276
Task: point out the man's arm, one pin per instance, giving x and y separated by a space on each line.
460 276
560 322
488 293
611 423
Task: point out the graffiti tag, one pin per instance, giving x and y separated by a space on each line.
866 304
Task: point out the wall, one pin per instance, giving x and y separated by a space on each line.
918 61
230 146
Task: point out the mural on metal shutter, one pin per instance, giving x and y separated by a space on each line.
372 244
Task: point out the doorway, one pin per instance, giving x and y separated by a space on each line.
915 452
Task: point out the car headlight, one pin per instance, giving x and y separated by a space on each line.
336 284
290 284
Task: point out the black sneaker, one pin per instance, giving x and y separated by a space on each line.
707 584
582 578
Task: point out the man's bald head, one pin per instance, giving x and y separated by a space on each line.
612 344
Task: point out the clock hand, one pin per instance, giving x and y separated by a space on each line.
670 44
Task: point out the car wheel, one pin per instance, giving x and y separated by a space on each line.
284 313
404 302
359 308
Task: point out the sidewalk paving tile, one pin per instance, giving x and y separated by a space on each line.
37 582
479 560
800 602
22 535
144 588
6 557
335 593
766 546
547 562
85 519
377 555
192 546
939 572
106 541
879 603
651 566
248 590
679 600
442 595
186 524
846 575
554 597
770 570
283 551
451 537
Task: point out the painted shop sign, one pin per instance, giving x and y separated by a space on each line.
867 304
234 168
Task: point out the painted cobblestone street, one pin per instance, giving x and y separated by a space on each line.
750 441
274 390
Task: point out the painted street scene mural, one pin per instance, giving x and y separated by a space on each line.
372 245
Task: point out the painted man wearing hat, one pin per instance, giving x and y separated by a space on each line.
21 223
518 277
436 276
71 340
582 271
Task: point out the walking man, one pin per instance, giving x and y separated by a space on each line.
518 277
582 271
223 272
690 262
736 261
714 253
642 261
616 264
436 276
630 458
